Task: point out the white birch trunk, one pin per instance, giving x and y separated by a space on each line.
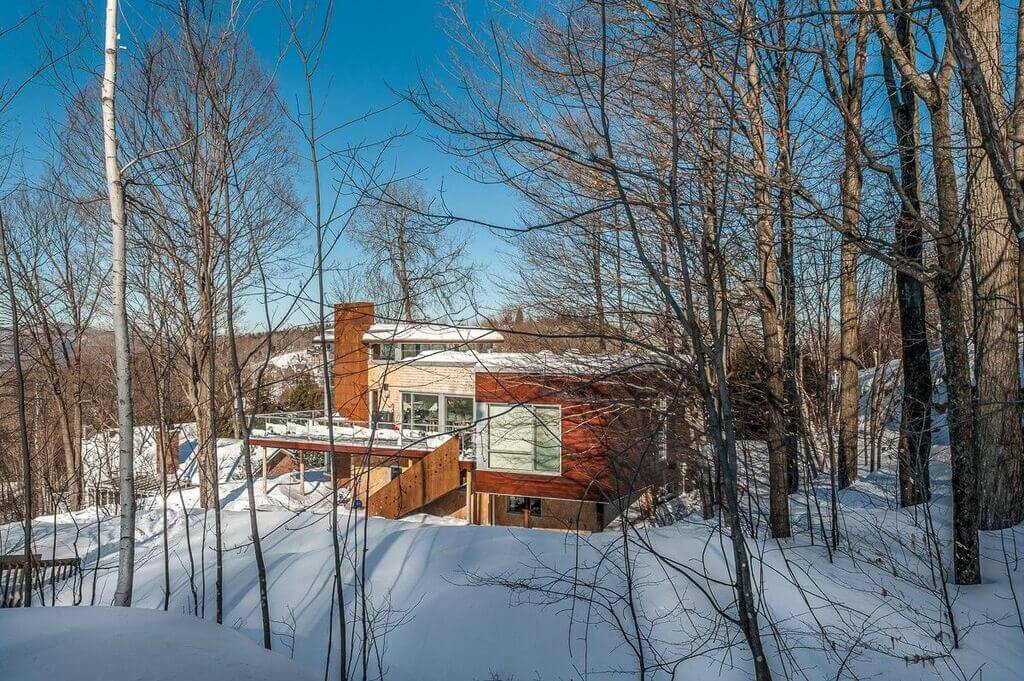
122 373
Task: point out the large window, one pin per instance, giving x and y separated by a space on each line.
420 411
524 438
424 411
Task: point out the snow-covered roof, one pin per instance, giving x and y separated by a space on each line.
529 362
446 358
404 332
545 362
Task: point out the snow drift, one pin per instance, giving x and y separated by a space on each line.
128 644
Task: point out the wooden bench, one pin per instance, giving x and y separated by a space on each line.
13 572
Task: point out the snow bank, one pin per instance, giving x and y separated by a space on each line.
128 644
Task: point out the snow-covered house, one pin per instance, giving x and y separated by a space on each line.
437 419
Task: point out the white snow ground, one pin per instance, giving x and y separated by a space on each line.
451 602
131 644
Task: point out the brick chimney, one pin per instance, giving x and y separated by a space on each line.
351 360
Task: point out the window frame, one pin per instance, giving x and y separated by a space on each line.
472 411
489 416
442 411
418 426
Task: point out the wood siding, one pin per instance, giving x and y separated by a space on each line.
391 379
430 478
585 460
612 440
556 514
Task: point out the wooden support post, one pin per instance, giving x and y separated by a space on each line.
302 474
470 499
264 469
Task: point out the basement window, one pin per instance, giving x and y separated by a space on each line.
519 505
395 471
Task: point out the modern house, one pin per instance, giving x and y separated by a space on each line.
438 419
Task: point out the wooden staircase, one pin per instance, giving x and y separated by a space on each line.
427 480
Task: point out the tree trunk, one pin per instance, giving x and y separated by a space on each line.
959 405
236 380
212 464
122 356
994 260
787 274
19 384
849 341
915 413
768 300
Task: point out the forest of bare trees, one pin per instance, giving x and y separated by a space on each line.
805 217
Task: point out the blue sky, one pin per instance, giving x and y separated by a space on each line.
373 46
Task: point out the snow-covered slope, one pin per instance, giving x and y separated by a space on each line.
131 644
466 602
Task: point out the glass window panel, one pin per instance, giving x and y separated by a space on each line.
419 410
548 440
458 411
511 430
525 438
509 461
410 350
520 504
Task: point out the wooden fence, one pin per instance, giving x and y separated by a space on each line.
45 576
425 481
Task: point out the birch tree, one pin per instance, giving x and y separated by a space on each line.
122 351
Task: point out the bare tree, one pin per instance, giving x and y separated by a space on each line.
122 351
949 295
26 462
915 414
63 275
996 217
413 258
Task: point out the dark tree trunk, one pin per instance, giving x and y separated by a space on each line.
915 421
959 403
787 275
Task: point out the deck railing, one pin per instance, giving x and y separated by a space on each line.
45 575
313 425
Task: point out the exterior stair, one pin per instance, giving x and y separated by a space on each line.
427 480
